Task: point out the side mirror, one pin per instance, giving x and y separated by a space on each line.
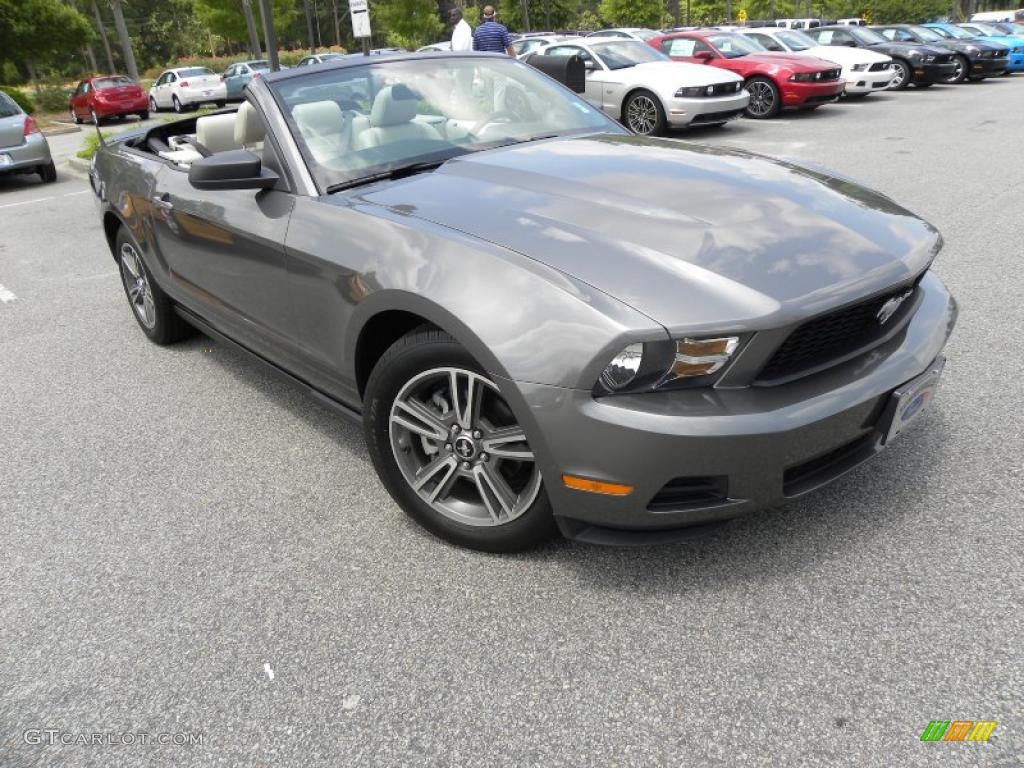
704 56
234 169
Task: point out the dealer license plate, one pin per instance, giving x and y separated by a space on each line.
913 399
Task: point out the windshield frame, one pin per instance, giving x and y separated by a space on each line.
924 34
954 32
194 72
805 40
755 47
328 180
988 30
628 44
867 35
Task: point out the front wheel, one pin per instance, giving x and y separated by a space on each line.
765 100
961 68
143 115
153 310
75 118
902 74
643 114
449 450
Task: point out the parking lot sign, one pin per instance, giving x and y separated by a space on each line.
360 12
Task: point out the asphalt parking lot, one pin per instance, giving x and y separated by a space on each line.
191 546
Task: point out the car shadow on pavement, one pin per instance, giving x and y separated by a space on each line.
848 515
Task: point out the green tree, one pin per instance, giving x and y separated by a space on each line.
632 13
38 32
406 23
226 18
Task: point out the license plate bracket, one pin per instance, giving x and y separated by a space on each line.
912 399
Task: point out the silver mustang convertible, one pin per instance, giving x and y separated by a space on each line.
541 319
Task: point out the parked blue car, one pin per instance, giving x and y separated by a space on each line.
237 76
978 31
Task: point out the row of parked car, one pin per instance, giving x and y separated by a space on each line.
635 74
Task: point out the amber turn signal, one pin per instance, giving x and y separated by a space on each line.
596 486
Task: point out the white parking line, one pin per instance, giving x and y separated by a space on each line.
6 295
79 192
26 202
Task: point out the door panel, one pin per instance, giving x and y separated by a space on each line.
225 254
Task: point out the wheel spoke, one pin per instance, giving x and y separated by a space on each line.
443 467
466 405
128 260
508 443
148 309
416 417
499 499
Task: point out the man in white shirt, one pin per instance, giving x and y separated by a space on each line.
462 35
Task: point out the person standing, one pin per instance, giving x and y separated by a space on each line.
462 34
491 36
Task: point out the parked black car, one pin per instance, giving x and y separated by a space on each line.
974 59
921 65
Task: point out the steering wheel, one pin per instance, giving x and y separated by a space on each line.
502 114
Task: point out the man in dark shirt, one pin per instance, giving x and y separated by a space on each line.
492 36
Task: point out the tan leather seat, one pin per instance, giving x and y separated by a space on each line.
217 132
322 126
392 119
249 128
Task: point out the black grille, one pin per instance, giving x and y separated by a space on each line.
724 89
832 74
716 117
688 492
880 66
823 97
822 469
832 338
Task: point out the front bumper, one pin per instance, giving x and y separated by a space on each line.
866 82
698 457
932 73
34 151
717 109
811 94
989 67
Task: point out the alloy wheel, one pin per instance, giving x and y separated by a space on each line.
762 98
136 284
460 449
642 114
902 74
959 70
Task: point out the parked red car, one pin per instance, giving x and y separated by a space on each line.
774 80
111 96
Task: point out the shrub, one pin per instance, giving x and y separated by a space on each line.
51 99
92 143
21 98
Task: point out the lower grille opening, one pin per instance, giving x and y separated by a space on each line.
711 117
820 470
688 492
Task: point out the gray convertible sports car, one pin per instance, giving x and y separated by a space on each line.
540 318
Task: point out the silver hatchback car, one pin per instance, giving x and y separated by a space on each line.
23 148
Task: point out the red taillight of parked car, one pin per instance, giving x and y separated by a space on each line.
30 126
183 84
256 74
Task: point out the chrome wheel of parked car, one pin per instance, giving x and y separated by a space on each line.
153 105
461 450
960 69
177 105
764 98
644 114
901 76
136 284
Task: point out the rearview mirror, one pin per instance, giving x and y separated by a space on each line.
234 169
704 56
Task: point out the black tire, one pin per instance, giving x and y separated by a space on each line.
856 96
221 104
153 105
48 173
903 74
143 115
166 327
178 106
415 353
765 99
963 68
643 114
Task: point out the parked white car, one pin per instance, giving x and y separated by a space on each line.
627 33
531 44
187 88
444 45
647 91
864 71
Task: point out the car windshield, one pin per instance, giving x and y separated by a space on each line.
194 72
926 35
645 34
866 36
733 46
986 29
7 106
796 41
954 32
1011 28
111 82
357 123
619 54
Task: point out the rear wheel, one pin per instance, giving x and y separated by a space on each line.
152 309
765 100
902 74
961 67
177 105
74 117
143 115
643 114
153 105
93 118
449 450
48 173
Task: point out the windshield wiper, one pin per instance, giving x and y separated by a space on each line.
395 173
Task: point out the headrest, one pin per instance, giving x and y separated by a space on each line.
216 132
394 105
319 118
248 125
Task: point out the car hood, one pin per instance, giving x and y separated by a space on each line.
895 48
841 54
799 61
673 74
697 238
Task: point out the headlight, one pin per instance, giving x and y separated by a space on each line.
623 368
914 53
802 77
860 67
700 357
929 59
971 49
686 362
